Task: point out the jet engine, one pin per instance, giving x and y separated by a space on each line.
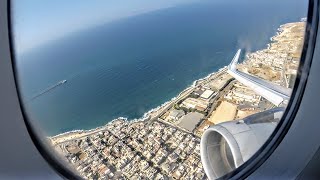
228 145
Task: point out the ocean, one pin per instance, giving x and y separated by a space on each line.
127 67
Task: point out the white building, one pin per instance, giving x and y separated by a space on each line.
176 114
207 94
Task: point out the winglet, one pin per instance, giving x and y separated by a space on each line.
234 62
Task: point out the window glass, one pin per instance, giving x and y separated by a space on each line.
156 89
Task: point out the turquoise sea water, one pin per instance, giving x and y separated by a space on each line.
130 66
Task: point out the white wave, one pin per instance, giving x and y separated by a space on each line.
89 130
148 113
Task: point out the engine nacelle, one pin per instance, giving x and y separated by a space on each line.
228 145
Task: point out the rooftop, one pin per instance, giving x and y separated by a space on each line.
176 113
207 94
190 120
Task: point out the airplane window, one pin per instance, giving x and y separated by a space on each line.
175 89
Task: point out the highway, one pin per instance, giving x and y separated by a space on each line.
183 96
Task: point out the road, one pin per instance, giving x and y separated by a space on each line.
185 94
220 95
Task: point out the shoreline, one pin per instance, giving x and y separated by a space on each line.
171 133
157 110
145 116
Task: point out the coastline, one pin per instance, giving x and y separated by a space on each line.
171 132
154 112
146 116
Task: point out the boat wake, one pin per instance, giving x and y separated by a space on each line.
48 89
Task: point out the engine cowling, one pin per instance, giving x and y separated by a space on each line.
228 145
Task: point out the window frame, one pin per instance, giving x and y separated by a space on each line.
281 130
247 168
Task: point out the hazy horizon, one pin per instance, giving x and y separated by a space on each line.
35 24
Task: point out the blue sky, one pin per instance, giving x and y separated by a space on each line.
39 21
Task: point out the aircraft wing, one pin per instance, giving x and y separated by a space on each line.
272 92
